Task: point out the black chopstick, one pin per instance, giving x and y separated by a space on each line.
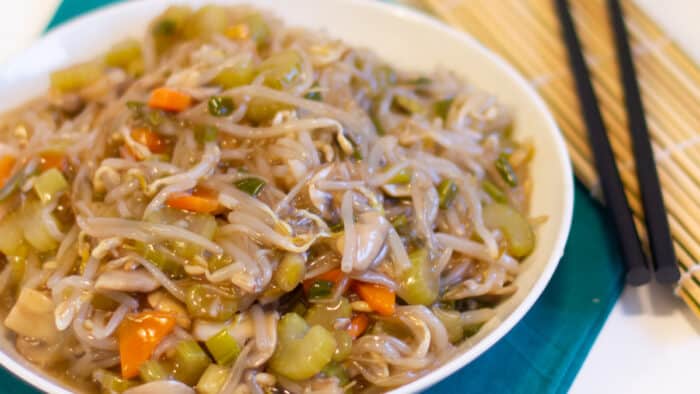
637 272
663 256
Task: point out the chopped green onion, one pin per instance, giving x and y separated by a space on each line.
506 170
49 184
408 104
153 370
320 288
494 191
399 221
447 191
252 186
403 177
206 133
314 95
337 371
213 379
377 123
223 347
220 106
191 361
442 107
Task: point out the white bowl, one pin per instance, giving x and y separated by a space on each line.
406 39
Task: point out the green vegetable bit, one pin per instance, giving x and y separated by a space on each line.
399 221
220 106
378 127
190 362
506 170
50 184
442 108
327 314
206 133
252 186
421 81
13 183
314 95
335 370
76 77
223 347
420 284
206 21
213 379
343 342
111 383
408 104
261 110
494 191
123 53
153 370
320 289
520 237
447 191
290 272
258 30
238 75
209 302
281 69
384 77
160 259
403 177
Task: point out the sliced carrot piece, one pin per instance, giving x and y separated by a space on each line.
169 100
380 298
358 325
7 163
201 200
51 160
150 139
334 275
139 334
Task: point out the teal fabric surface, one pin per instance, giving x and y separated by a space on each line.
544 352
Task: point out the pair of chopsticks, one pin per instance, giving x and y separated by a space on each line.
663 256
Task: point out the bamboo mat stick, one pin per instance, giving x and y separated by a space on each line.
526 33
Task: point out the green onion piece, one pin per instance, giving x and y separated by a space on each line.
421 81
213 379
252 186
191 361
320 288
494 191
333 369
153 370
442 107
111 383
399 221
378 127
49 184
314 95
403 177
220 106
409 104
447 191
223 347
166 27
506 170
206 133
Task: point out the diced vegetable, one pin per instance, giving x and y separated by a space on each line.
334 276
220 106
49 184
380 298
153 370
12 238
261 110
252 186
494 191
223 347
281 69
161 260
206 133
33 316
358 325
343 342
516 229
403 177
190 362
314 95
302 351
7 163
335 370
202 224
209 302
447 191
111 383
420 284
34 226
139 334
51 160
409 104
218 262
326 315
506 170
195 202
150 139
76 77
213 379
442 107
320 289
399 221
290 272
123 53
230 77
169 100
169 24
206 21
253 26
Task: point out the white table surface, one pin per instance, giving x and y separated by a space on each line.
648 345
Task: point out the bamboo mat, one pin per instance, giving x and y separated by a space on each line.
526 33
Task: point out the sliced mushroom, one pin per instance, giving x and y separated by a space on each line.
131 281
162 301
161 386
32 316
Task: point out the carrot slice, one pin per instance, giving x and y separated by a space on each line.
358 325
334 275
150 139
51 160
139 334
169 100
380 298
201 200
7 163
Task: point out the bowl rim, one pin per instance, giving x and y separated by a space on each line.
45 383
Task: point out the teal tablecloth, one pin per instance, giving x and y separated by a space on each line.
544 352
